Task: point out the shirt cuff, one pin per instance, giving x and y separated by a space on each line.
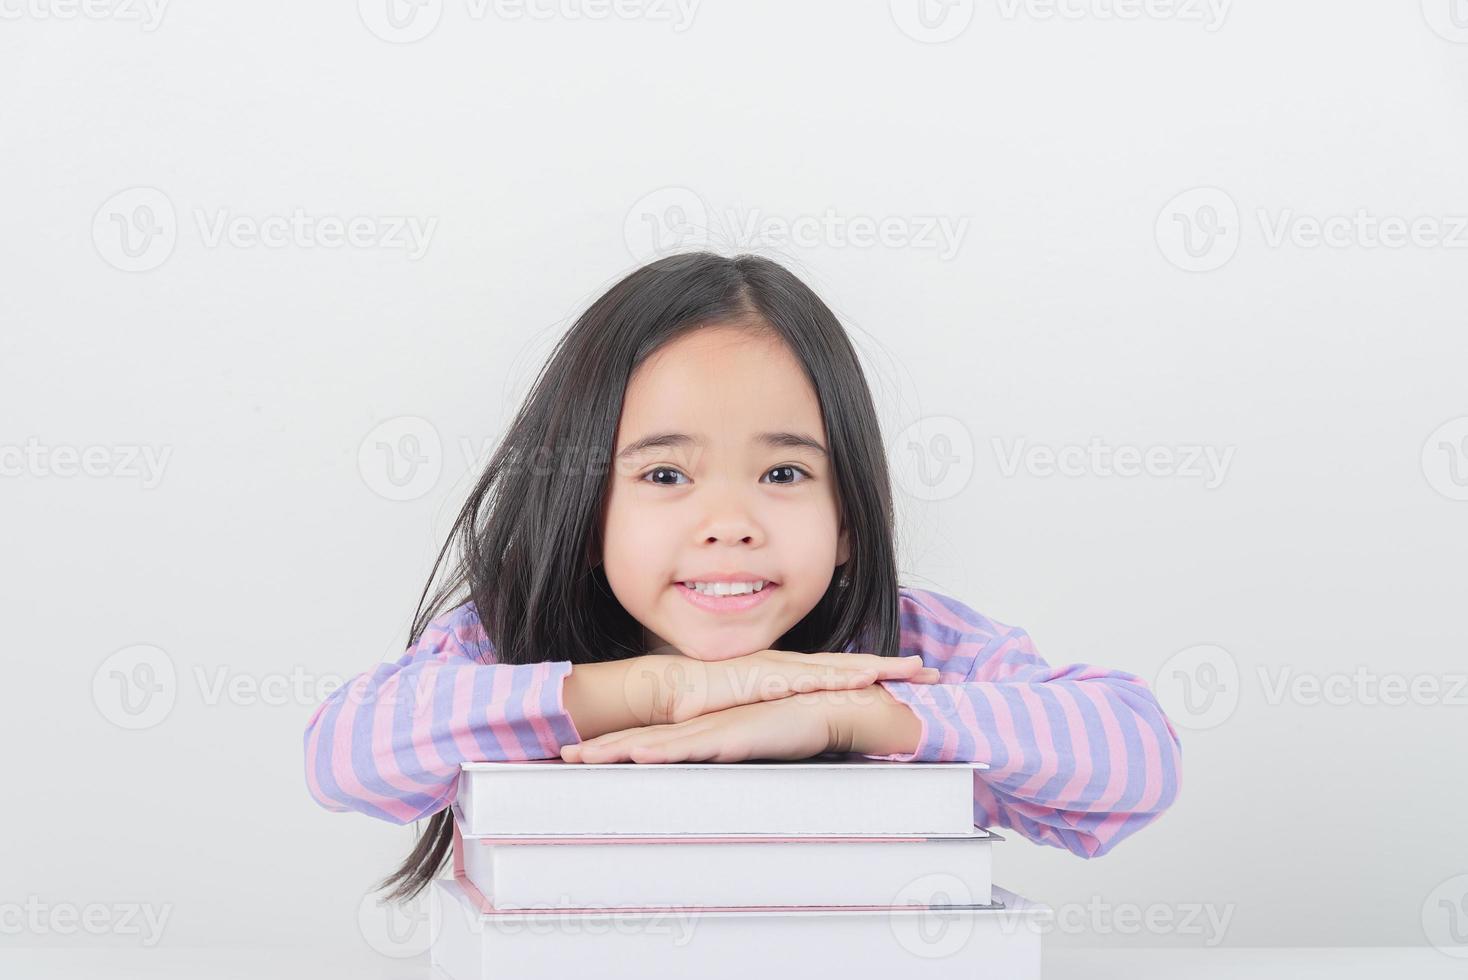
560 719
526 718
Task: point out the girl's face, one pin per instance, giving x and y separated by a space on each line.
716 486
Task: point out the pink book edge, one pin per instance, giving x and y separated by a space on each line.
458 815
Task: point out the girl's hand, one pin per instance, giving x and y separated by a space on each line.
671 688
796 727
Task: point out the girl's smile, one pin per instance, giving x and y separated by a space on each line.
720 602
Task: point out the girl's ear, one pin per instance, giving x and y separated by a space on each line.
843 546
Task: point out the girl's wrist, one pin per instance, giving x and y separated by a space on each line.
605 697
870 721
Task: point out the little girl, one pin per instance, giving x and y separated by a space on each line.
683 551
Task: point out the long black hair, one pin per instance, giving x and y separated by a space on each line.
529 532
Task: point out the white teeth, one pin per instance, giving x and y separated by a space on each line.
726 588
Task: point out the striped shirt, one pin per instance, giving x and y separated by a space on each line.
1080 757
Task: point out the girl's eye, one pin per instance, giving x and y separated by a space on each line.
786 476
662 469
791 470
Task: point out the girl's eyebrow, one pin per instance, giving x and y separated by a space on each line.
681 440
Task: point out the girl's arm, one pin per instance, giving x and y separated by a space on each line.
388 743
1080 757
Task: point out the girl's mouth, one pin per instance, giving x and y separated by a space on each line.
726 603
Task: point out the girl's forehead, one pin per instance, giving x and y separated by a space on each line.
716 379
704 348
746 402
801 443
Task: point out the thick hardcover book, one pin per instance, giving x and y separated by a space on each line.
632 872
910 942
833 796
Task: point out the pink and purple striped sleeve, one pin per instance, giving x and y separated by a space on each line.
1080 757
388 743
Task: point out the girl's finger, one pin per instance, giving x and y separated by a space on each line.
772 681
629 750
903 670
687 749
617 746
617 752
603 742
830 659
857 679
884 666
916 675
889 668
803 679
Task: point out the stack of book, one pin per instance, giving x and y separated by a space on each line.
841 866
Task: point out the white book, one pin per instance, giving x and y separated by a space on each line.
828 796
909 942
632 872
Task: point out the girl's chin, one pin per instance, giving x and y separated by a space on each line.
711 653
715 656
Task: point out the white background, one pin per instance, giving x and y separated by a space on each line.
1084 303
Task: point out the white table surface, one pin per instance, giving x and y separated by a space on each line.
225 963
